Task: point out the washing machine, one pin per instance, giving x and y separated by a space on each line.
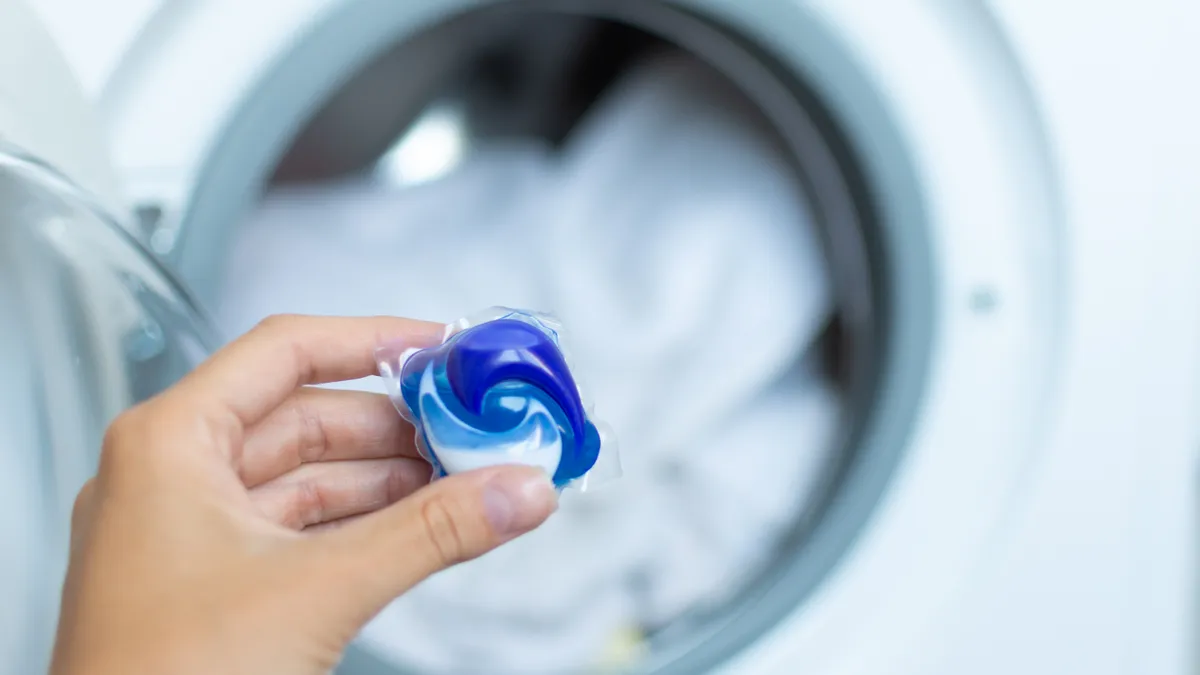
1006 199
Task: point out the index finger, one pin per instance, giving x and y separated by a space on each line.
254 374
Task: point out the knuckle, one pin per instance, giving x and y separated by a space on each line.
282 330
83 504
399 483
277 323
118 430
313 438
219 428
442 532
121 436
308 507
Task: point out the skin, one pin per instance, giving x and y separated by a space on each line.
246 522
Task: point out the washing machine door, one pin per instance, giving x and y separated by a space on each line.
89 324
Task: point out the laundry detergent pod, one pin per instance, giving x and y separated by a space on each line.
499 389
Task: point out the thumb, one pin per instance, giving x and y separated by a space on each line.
450 521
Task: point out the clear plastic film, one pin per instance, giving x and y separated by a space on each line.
500 389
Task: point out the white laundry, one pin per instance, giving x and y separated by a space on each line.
675 245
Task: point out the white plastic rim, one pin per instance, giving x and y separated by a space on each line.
955 103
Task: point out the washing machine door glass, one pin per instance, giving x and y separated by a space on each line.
89 324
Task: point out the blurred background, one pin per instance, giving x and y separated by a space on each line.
872 295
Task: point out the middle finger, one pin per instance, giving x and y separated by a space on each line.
321 425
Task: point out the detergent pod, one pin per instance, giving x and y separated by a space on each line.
499 389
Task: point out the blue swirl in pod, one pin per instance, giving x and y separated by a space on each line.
500 392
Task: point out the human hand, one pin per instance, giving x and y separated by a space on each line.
243 522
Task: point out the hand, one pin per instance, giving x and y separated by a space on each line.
242 522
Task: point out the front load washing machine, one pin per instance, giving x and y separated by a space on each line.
1003 196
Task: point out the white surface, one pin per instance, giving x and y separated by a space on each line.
94 36
1096 571
42 108
670 281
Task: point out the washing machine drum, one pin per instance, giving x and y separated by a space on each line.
658 184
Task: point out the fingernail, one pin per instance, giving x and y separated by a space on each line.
515 502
